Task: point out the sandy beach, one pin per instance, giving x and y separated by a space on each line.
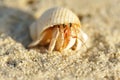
100 60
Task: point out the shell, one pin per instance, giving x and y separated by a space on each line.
53 16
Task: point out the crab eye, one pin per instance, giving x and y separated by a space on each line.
70 24
64 25
58 26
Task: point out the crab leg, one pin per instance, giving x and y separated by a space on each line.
60 39
54 38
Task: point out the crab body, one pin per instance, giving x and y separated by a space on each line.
59 29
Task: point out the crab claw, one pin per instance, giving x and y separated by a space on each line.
70 43
82 38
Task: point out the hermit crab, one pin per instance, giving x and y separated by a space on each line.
59 29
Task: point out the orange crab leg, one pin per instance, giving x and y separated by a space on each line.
67 34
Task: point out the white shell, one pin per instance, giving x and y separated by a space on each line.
53 16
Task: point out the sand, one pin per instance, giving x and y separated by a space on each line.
99 61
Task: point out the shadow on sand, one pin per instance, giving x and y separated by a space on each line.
15 23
